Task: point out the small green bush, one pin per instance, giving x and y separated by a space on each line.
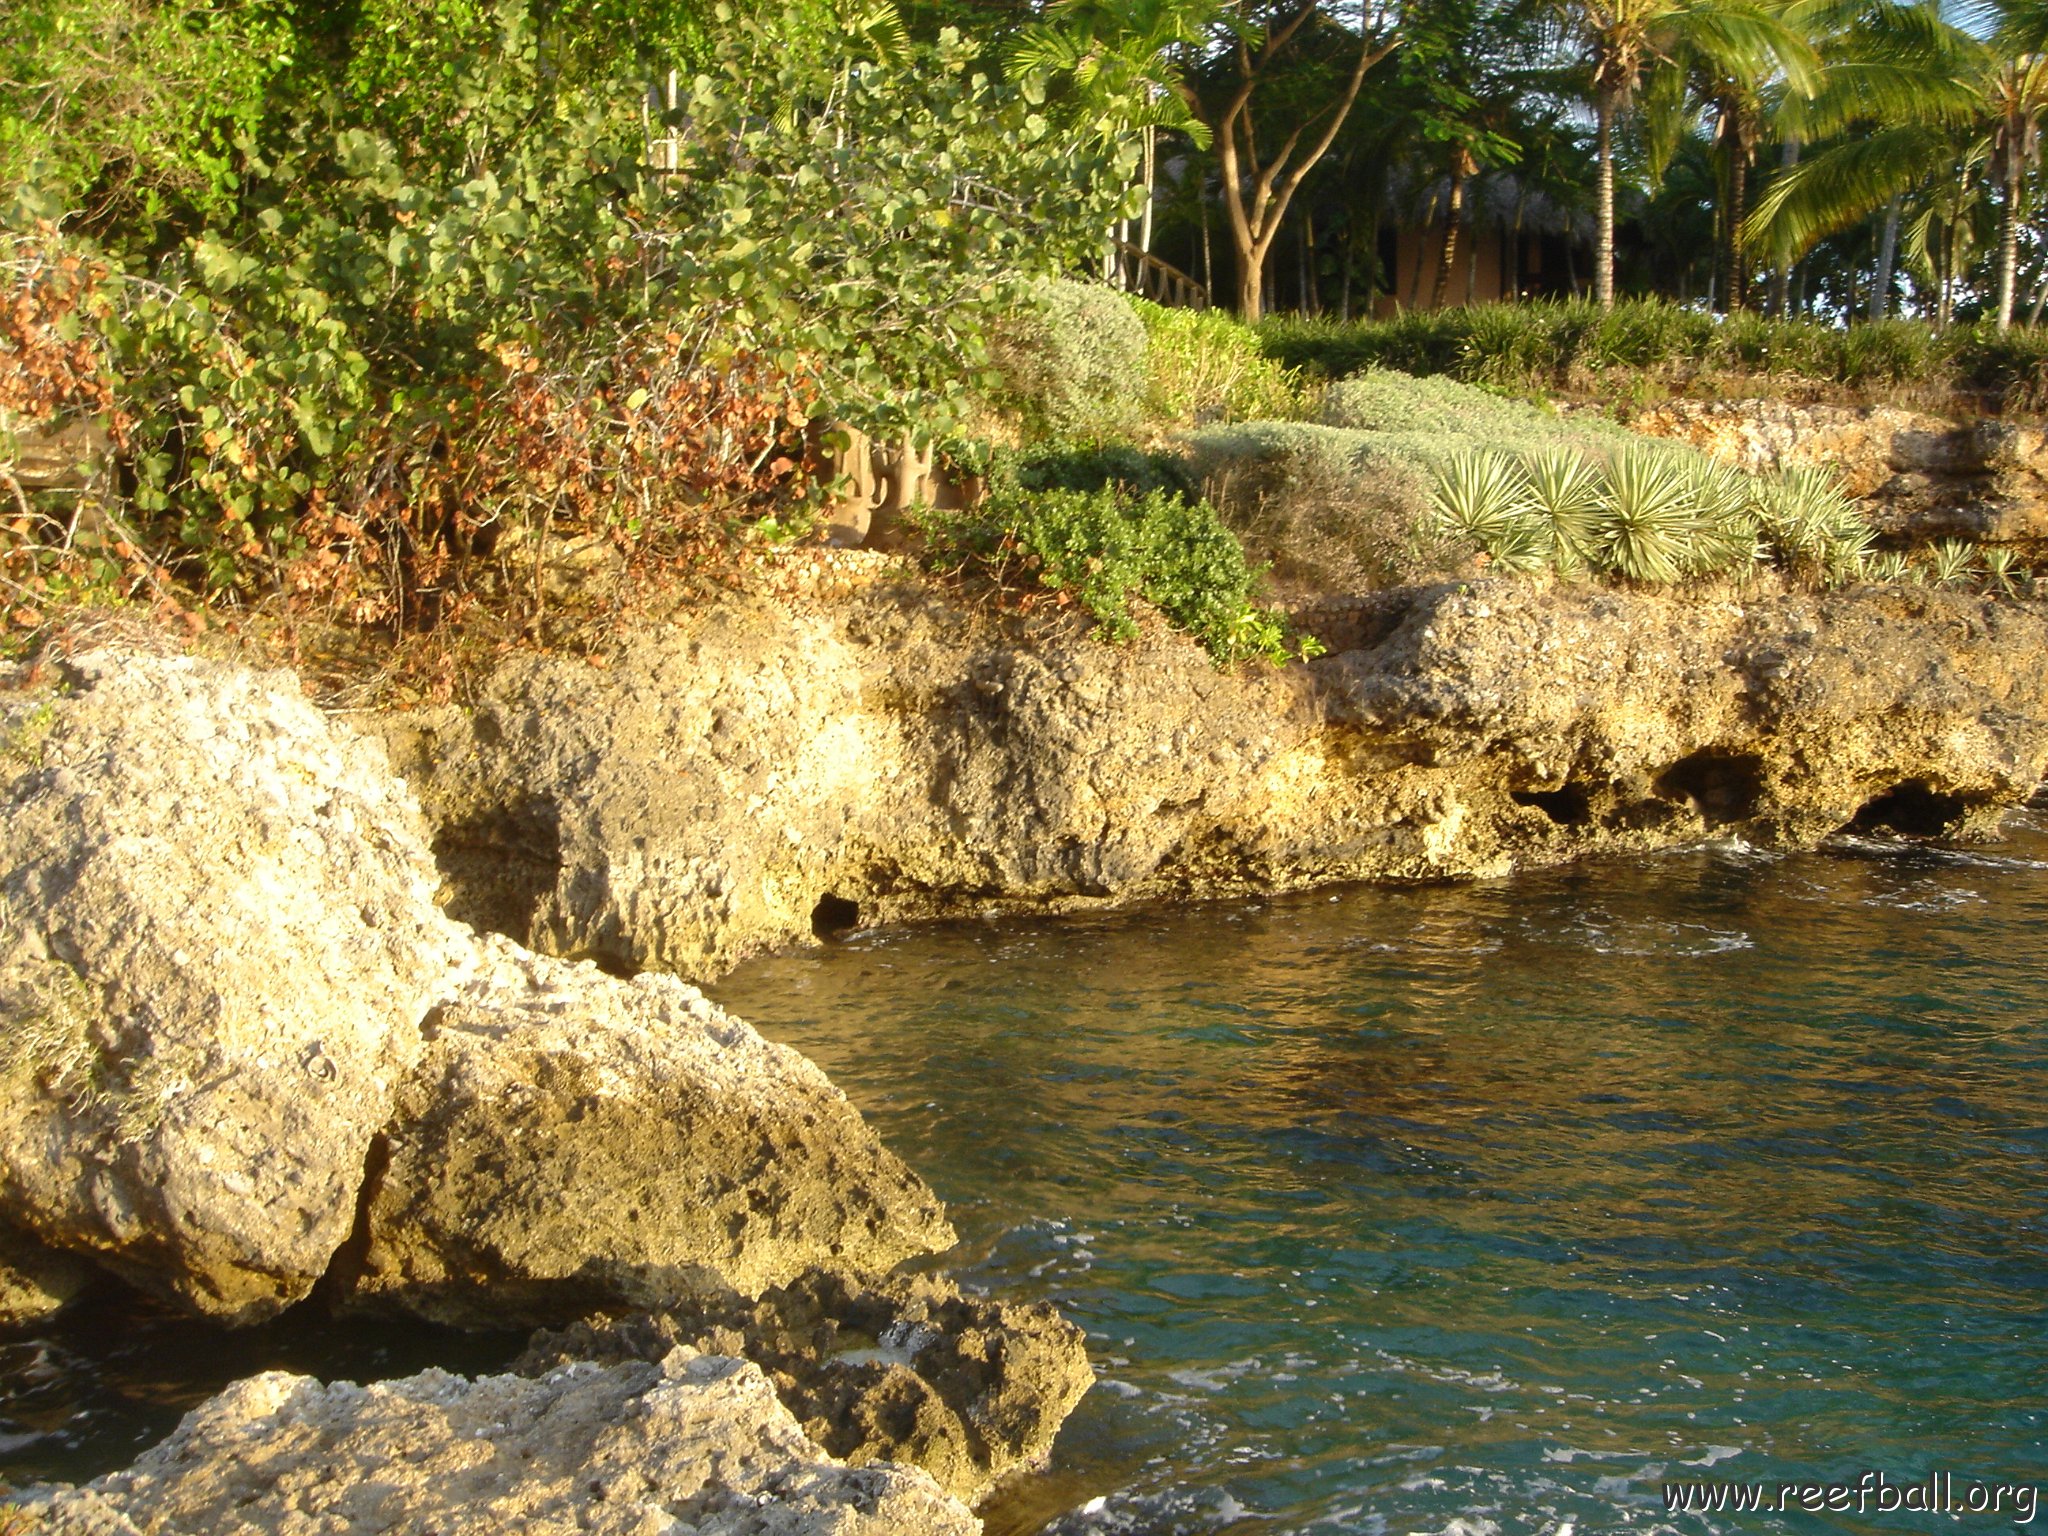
1207 365
1072 363
1110 543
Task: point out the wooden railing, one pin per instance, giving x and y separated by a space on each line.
1161 281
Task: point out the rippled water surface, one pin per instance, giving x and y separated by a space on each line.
1469 1210
1498 1206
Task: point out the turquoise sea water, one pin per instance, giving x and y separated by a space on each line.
1497 1207
1465 1210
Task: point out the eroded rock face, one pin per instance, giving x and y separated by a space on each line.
693 1443
569 1141
769 773
1922 477
35 1281
217 938
910 1370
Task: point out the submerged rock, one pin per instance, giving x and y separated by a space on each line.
572 1141
757 776
692 1443
217 937
969 1388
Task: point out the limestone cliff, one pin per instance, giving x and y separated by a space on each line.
762 773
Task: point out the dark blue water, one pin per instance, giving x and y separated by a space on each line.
1496 1208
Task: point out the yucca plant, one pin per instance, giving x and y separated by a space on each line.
2001 571
1888 568
1724 527
1564 491
1951 562
1812 524
1646 519
1483 498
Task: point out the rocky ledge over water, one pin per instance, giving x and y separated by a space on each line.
247 1063
762 774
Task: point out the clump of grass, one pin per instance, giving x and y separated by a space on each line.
1952 563
1812 526
1207 366
1564 492
1327 520
1645 346
1648 513
1646 520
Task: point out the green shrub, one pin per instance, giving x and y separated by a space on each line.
1325 513
1206 365
1576 344
1072 362
1091 466
1887 352
1105 546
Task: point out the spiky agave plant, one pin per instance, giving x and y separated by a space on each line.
1646 517
1483 498
1951 563
1888 567
1812 524
2001 571
1564 492
1723 526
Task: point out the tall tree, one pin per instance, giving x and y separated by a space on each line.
1259 183
1624 40
1931 115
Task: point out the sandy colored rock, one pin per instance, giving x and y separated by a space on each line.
692 1444
760 774
571 1141
905 1369
217 939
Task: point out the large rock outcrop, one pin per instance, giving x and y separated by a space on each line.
691 1444
1921 477
571 1141
970 1388
763 773
217 939
241 1049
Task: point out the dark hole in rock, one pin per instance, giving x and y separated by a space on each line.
834 916
1723 786
1568 807
499 865
1914 808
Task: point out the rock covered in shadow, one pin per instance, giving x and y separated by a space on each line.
217 938
570 1141
689 1443
34 1280
905 1369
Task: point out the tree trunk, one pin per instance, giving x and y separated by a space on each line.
2009 240
1781 273
1256 220
1151 188
1603 258
1887 253
1454 216
1738 269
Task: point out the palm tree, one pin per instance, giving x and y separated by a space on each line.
1624 40
1926 112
